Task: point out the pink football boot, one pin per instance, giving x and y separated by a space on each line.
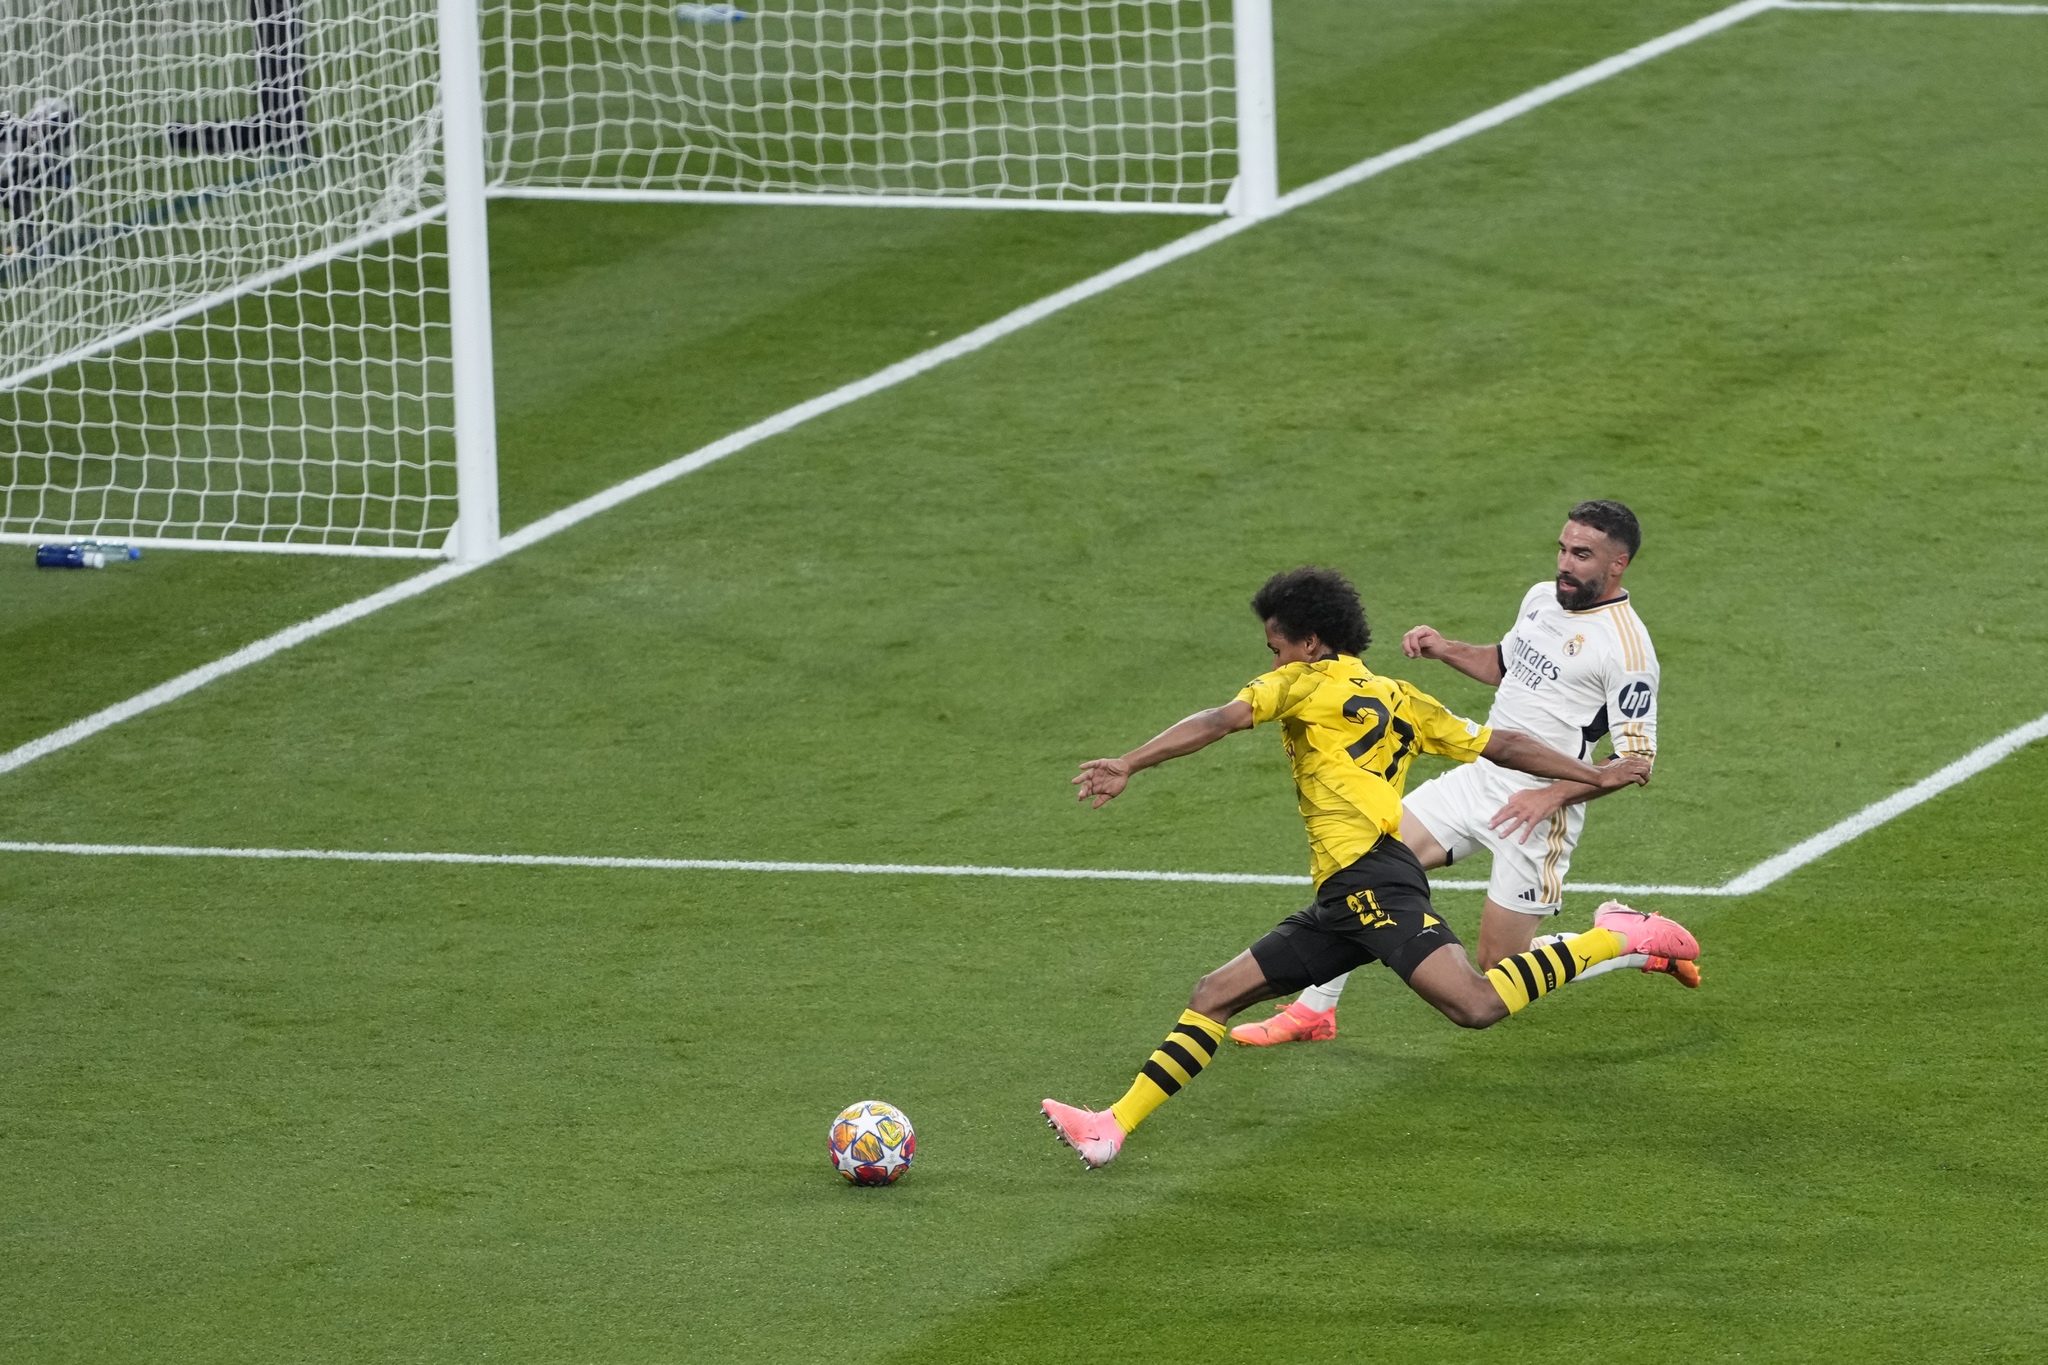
1095 1134
1295 1024
1647 933
1686 970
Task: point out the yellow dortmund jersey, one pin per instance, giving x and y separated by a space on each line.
1350 737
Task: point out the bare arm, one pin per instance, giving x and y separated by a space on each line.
1103 778
1474 661
1564 794
1525 754
1526 810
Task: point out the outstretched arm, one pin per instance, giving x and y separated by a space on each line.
1103 778
1474 661
1526 810
1525 754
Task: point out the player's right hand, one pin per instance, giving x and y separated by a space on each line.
1102 778
1422 642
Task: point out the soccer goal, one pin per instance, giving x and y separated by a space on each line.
244 276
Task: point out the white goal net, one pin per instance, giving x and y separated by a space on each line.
1079 103
220 316
243 288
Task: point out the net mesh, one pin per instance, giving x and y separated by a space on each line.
262 170
1096 101
223 284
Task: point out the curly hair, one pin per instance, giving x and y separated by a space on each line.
1611 519
1320 602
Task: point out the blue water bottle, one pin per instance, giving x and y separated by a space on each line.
84 554
67 557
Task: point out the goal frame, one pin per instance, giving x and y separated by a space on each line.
476 536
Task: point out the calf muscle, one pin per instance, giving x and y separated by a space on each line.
1446 980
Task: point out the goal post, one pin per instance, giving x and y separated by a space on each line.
1258 126
244 263
469 285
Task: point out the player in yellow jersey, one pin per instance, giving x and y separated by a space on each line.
1350 736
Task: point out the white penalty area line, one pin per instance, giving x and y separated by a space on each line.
1756 879
1067 874
332 855
1077 874
887 378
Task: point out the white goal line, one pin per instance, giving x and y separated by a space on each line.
1756 879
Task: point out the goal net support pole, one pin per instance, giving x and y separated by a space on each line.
469 284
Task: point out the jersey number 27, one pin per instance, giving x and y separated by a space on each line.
1382 719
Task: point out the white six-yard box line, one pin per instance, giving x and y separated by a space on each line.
1755 879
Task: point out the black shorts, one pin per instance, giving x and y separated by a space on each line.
1375 910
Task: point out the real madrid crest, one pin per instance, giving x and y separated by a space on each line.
1574 645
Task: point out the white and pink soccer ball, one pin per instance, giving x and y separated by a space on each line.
871 1143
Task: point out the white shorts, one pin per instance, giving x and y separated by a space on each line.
1457 807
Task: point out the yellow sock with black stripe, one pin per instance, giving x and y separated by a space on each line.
1541 970
1177 1061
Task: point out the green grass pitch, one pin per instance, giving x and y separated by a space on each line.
1783 291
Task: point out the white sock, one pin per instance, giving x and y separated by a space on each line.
1615 964
1325 996
1612 964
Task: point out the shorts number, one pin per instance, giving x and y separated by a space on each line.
1383 719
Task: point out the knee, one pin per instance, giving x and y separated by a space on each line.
1215 995
1475 1014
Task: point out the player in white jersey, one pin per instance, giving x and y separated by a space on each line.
1577 666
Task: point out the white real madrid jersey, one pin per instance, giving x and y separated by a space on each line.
1570 677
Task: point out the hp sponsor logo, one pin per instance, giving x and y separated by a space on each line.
1635 700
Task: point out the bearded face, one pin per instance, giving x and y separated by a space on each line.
1587 560
1574 594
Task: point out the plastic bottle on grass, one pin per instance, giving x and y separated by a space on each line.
84 554
113 551
710 14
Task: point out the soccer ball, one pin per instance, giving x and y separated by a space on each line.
871 1143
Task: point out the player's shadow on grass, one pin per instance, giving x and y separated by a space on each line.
1622 1052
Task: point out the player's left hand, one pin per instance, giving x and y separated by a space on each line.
1623 769
1524 811
1102 778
